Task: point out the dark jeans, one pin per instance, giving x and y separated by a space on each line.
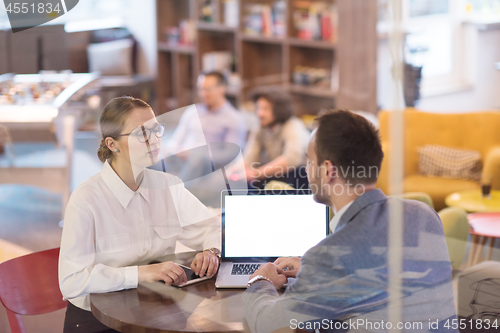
296 179
81 321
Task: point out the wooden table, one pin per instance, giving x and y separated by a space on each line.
473 202
154 307
485 223
484 227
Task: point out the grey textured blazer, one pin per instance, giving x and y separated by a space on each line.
345 276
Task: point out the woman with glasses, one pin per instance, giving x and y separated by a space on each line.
128 214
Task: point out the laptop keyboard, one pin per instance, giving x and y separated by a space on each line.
244 269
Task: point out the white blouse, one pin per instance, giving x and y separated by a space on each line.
108 229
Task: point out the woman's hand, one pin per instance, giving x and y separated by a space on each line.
169 272
289 265
205 263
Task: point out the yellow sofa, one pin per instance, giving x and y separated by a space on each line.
479 131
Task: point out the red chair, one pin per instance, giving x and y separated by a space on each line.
29 286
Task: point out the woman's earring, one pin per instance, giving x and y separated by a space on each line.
116 150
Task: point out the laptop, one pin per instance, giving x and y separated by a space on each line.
258 226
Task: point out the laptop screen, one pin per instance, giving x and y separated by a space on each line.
265 224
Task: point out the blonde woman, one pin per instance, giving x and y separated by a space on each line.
128 214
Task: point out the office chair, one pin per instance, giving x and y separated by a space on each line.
29 286
419 196
456 230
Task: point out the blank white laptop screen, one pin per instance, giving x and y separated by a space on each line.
272 225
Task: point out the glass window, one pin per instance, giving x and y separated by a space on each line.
428 7
432 38
484 7
431 46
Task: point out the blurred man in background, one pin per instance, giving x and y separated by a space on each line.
220 121
209 135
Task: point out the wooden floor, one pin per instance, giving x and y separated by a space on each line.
48 323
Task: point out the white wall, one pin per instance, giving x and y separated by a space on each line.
141 21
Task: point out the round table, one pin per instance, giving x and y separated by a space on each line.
484 227
473 202
154 307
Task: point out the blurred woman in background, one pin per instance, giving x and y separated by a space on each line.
278 150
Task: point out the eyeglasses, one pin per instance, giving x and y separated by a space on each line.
144 134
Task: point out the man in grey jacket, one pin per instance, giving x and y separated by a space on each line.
341 284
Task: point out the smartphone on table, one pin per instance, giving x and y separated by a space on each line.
192 278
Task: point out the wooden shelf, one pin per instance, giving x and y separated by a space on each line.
312 91
217 27
177 48
320 44
262 39
261 60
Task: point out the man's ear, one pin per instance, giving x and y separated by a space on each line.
330 170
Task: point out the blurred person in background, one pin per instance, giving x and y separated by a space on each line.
220 123
277 151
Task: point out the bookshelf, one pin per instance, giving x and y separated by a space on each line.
322 51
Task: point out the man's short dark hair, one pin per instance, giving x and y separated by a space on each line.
351 143
221 79
283 107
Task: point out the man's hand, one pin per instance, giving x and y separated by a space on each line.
169 272
205 263
272 272
289 265
251 174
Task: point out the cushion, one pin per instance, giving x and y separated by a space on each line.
446 162
111 58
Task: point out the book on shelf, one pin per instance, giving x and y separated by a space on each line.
217 61
231 13
185 34
314 20
319 78
265 20
279 18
